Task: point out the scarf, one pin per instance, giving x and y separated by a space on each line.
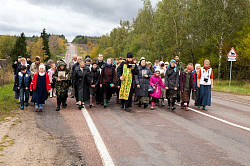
126 83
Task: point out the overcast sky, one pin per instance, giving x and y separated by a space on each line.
68 17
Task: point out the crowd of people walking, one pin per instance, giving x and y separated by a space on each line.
126 79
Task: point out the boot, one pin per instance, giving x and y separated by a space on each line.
152 105
58 109
64 105
105 103
139 104
90 101
162 103
50 93
145 105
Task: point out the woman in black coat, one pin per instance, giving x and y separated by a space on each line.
81 81
142 82
172 83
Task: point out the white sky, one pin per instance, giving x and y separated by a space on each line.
68 17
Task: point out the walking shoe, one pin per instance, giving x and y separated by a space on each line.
36 109
169 107
80 107
58 109
26 104
186 108
173 108
139 104
204 108
127 109
122 106
145 105
64 105
77 103
40 109
22 107
90 106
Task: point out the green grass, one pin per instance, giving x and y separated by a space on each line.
7 101
237 87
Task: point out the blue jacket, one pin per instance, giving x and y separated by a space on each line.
27 79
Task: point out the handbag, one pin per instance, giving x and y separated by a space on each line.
151 89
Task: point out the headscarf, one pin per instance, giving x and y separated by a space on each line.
175 68
41 66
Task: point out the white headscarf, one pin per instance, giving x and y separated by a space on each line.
41 66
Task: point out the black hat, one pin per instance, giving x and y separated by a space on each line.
87 56
23 67
130 55
28 56
19 57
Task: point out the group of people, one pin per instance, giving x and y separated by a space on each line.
97 81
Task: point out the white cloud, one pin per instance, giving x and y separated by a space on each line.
73 19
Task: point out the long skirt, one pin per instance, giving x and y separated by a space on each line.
204 96
195 94
185 96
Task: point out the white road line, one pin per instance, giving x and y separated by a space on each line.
219 119
104 154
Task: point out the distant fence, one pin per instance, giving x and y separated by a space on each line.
6 71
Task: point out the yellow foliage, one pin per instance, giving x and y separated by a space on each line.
37 50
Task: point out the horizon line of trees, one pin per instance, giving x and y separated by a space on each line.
194 29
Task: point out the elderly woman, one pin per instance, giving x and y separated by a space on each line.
40 86
172 83
196 92
205 83
81 81
142 82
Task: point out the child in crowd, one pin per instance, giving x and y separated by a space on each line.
156 83
23 81
51 72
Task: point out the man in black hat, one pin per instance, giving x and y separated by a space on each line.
126 72
28 60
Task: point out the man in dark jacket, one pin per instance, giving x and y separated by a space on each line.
79 58
100 64
126 72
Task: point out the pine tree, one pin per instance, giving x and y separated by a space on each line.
46 44
20 47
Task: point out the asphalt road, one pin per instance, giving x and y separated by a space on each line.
160 137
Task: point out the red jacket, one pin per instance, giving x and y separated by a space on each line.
34 82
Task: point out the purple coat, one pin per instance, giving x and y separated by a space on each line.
183 81
153 80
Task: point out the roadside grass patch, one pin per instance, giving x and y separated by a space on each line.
7 101
237 87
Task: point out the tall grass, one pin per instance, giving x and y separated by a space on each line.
237 87
7 101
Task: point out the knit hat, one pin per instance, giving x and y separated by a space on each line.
172 60
23 67
87 56
62 63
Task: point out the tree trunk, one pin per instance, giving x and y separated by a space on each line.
220 56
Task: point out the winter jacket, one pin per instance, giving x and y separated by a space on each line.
183 81
172 78
152 82
27 79
142 81
108 76
34 82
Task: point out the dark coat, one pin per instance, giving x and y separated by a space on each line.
172 78
142 81
27 79
95 80
183 81
72 72
82 82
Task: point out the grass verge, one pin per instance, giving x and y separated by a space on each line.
237 87
7 102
